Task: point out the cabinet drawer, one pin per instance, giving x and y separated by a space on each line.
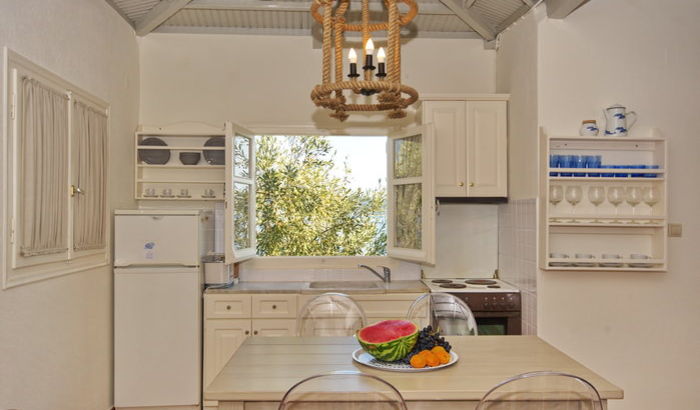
274 327
274 306
227 306
390 305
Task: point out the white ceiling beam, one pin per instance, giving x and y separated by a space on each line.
529 3
559 9
121 13
302 6
158 14
471 19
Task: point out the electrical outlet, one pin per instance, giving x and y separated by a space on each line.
675 230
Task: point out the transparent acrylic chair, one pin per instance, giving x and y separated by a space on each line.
542 390
343 390
444 311
331 314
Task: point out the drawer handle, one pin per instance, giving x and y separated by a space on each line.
255 332
247 332
471 184
274 306
228 307
460 183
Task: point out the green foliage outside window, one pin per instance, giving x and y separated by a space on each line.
303 209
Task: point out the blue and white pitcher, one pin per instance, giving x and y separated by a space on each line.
616 120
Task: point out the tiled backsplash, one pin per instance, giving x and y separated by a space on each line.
517 254
401 271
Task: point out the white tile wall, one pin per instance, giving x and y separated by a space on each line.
404 271
517 253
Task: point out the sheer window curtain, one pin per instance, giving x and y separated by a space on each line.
89 207
44 169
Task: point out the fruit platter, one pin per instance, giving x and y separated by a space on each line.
399 346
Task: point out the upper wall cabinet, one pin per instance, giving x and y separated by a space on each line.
471 144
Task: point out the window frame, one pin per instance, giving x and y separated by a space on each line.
347 261
17 269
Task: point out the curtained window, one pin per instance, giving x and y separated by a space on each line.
89 204
44 169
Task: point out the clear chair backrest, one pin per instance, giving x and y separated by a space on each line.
445 312
343 390
331 314
542 390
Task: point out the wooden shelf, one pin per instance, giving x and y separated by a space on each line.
166 166
574 230
164 181
150 198
180 148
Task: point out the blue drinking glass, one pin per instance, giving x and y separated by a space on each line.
637 175
651 175
578 162
567 161
607 174
554 162
621 174
593 161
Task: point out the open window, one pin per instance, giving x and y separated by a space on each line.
411 200
240 194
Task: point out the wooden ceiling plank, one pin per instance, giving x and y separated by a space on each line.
120 11
158 14
301 6
471 19
559 9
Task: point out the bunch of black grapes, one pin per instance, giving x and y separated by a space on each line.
427 339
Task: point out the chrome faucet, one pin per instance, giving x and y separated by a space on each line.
387 272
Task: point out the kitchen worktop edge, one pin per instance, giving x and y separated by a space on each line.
399 286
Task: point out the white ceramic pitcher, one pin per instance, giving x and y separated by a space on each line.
616 120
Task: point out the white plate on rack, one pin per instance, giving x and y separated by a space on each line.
640 265
362 357
611 264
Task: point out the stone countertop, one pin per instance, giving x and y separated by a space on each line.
397 286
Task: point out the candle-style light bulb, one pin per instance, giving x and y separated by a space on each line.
369 47
381 55
352 56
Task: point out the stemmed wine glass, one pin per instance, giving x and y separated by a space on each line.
556 195
615 197
596 195
651 198
634 197
573 196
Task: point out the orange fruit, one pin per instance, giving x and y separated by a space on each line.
418 361
444 357
431 359
438 350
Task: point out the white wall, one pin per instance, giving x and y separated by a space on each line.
56 337
639 330
267 80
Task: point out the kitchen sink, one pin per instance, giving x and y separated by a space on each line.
348 285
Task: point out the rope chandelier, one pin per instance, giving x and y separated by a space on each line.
387 81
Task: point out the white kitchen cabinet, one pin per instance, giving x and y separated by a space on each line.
222 337
231 317
471 144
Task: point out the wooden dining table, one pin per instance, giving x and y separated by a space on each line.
264 368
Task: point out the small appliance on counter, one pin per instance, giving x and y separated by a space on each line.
217 274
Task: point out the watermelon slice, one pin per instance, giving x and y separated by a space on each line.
389 340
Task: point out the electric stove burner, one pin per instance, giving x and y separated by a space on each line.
453 285
480 282
494 286
441 281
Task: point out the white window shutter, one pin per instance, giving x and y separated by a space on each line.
410 195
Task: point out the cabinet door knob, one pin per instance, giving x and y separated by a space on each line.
228 307
460 183
255 332
247 332
274 306
471 184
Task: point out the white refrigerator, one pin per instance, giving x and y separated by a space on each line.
158 306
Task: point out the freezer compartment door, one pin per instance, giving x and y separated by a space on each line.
156 240
157 337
